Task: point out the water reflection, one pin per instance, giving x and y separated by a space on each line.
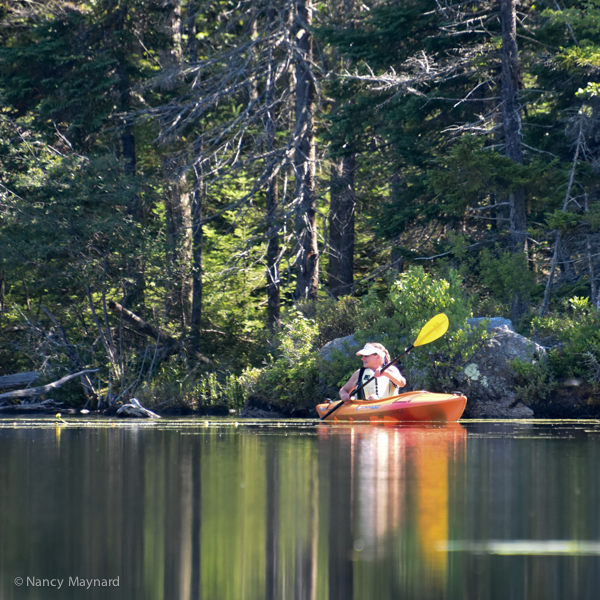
399 491
308 512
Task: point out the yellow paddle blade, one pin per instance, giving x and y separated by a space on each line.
434 329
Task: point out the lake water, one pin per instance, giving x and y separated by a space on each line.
297 510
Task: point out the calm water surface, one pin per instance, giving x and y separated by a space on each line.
188 510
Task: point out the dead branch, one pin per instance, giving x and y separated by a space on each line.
40 391
141 326
170 344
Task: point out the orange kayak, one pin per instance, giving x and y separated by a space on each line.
407 407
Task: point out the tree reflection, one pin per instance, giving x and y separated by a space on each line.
252 514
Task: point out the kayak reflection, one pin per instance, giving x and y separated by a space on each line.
397 499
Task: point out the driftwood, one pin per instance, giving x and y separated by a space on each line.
170 344
18 379
40 391
135 409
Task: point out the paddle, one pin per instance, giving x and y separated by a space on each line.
433 330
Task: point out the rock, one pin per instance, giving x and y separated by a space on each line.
496 410
346 345
136 410
494 322
258 408
488 379
218 410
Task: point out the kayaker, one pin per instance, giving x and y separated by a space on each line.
374 357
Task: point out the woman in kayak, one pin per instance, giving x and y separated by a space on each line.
374 358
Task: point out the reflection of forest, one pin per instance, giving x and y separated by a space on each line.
220 514
289 513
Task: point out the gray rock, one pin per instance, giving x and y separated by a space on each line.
488 379
493 410
493 322
346 345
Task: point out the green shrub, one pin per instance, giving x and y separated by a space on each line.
576 333
335 318
296 373
208 389
292 375
494 276
417 296
535 381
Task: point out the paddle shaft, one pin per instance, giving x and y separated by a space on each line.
341 402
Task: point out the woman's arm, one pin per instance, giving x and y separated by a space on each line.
393 374
349 387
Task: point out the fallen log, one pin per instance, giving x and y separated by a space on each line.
18 379
40 391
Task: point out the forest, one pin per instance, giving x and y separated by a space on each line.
196 196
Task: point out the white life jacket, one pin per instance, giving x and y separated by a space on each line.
381 386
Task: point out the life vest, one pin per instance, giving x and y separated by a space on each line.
382 386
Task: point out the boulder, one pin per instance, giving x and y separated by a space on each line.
488 379
493 322
346 345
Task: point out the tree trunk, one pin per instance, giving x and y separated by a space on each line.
179 242
342 204
136 292
177 201
558 242
341 226
273 281
190 26
307 257
197 198
2 291
591 253
197 249
127 138
511 112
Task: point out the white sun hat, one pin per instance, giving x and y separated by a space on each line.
370 349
